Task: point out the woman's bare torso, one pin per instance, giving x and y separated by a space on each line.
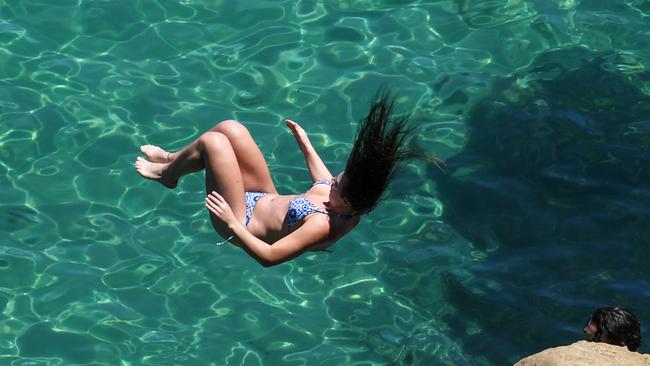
269 223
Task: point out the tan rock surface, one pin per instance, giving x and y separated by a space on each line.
585 353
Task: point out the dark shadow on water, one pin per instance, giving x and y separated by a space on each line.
553 190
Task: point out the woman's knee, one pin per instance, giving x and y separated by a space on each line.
231 128
213 140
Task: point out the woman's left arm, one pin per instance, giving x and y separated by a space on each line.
314 231
317 169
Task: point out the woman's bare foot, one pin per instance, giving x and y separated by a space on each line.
154 171
156 154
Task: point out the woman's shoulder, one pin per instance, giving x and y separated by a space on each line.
319 189
335 223
338 228
321 184
326 181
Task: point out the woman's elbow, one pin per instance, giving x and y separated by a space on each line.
273 257
264 263
267 262
272 260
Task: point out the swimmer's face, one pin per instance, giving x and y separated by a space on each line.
336 198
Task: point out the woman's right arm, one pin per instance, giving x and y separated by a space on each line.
312 232
317 168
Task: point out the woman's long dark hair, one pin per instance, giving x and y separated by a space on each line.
378 148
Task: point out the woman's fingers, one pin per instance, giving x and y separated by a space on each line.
216 197
217 211
212 201
212 209
293 126
215 203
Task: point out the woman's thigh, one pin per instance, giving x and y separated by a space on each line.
222 175
254 170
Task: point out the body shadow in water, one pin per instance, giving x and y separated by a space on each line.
553 190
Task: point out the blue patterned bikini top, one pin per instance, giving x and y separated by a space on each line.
300 207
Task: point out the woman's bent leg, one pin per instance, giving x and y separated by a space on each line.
211 151
254 170
222 174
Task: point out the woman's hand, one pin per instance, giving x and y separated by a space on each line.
220 208
298 132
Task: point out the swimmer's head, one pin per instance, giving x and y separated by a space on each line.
614 325
336 198
378 147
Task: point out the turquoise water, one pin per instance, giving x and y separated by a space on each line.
539 108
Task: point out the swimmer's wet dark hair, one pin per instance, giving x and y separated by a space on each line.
617 326
378 148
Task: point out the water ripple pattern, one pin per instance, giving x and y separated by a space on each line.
539 107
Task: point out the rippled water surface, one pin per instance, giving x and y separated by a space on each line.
540 109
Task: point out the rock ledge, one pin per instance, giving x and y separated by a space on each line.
585 353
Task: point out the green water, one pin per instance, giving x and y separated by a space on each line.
539 107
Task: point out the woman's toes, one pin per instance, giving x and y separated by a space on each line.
154 153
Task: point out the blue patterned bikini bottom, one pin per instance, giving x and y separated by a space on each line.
251 201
